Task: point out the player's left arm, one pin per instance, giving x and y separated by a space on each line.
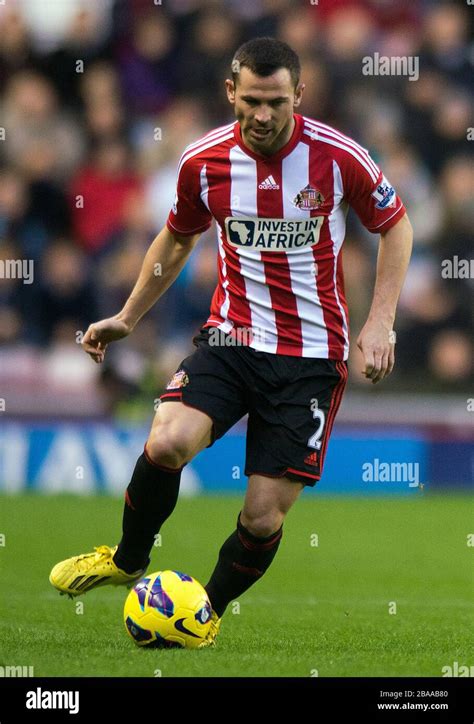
375 341
381 211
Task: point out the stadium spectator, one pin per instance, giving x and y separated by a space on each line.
88 163
100 191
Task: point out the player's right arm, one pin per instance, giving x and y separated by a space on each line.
165 258
163 262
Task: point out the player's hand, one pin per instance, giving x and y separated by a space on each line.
377 343
99 335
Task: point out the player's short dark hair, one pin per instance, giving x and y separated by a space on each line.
263 56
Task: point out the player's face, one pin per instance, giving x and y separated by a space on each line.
264 108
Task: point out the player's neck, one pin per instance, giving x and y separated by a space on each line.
280 141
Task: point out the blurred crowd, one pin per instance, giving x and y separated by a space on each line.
98 98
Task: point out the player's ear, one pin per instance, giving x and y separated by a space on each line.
298 94
230 90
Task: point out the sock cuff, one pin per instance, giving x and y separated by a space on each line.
156 465
254 542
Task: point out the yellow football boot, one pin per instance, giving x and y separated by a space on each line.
211 636
82 573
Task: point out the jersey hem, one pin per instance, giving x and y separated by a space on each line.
316 352
199 230
386 225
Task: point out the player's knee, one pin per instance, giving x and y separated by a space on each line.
262 525
167 447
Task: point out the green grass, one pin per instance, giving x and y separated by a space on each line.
324 607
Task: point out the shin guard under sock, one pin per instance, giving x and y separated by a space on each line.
149 500
243 559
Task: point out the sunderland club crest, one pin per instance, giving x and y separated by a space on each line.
308 198
179 379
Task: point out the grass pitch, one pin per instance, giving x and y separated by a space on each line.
359 587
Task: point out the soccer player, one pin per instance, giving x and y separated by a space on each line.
276 342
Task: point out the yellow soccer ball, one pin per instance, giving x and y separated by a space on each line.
167 609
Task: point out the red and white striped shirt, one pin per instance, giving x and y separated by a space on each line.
280 229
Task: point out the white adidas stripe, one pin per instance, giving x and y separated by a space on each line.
212 134
317 125
203 147
330 129
359 152
217 133
345 147
327 131
364 157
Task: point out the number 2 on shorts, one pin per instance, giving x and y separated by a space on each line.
315 439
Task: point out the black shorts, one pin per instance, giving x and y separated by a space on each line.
291 403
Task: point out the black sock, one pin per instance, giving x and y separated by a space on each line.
149 500
243 559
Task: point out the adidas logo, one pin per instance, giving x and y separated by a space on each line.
312 459
269 184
